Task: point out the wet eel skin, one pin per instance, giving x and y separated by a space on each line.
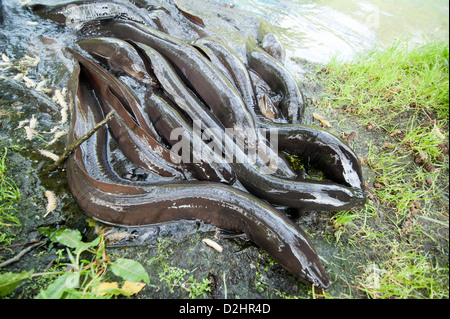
305 195
120 204
137 144
184 82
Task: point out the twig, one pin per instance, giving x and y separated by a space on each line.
20 255
72 147
21 244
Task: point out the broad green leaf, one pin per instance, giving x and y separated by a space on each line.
69 237
84 246
62 284
47 231
130 270
9 281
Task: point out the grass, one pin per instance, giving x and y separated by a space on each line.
9 195
398 99
398 81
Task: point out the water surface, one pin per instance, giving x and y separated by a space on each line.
317 30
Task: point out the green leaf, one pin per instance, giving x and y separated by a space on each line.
9 281
62 284
69 237
84 246
130 270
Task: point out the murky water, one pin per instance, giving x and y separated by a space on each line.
317 30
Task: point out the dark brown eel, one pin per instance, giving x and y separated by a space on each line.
118 55
218 101
136 143
215 203
76 13
168 121
209 84
314 145
280 80
302 194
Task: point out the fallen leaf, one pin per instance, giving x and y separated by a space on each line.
131 288
51 202
49 155
104 288
57 136
29 83
22 123
212 244
321 119
30 132
396 132
5 58
59 98
438 132
33 122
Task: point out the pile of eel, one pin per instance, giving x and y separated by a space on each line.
168 76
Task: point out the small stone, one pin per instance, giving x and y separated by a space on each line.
351 136
429 167
421 158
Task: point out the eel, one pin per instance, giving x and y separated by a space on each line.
167 121
315 145
75 13
118 55
302 194
171 20
137 144
272 46
321 149
305 195
229 64
211 202
280 80
209 84
179 93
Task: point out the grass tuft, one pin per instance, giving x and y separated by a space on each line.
9 194
399 81
398 101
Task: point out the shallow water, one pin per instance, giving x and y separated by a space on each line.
318 30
